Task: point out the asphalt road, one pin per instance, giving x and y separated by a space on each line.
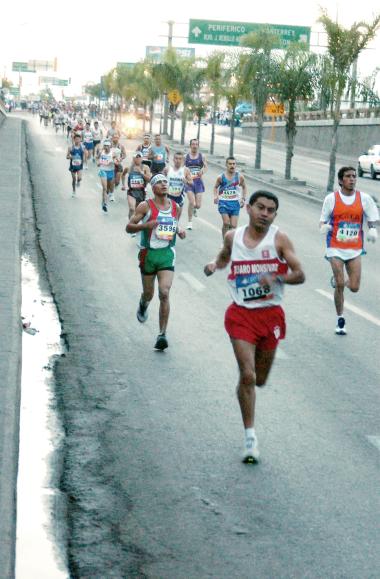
151 461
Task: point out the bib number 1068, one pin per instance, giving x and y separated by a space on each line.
255 292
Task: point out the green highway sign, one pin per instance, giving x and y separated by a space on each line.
22 67
229 33
52 80
157 53
14 90
125 64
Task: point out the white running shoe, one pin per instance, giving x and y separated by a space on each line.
251 452
340 329
111 197
189 225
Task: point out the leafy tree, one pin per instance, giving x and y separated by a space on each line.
214 75
235 87
344 47
294 81
259 69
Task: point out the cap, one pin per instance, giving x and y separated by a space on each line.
107 142
159 178
138 154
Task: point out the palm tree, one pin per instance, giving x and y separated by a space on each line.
214 74
344 47
259 70
294 81
235 89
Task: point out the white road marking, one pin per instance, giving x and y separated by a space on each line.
192 281
59 149
210 225
375 440
352 308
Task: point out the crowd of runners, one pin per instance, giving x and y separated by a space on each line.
261 258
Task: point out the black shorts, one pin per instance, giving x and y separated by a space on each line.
96 143
138 194
157 168
147 162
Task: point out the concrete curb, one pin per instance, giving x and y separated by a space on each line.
10 335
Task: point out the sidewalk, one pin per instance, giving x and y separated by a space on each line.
11 154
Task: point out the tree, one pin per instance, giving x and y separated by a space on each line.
344 47
214 75
235 88
146 89
200 108
259 69
294 81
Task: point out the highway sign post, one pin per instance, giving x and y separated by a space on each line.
174 97
230 33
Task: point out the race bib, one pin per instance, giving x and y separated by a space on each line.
195 171
348 232
104 161
159 157
229 195
166 228
249 288
137 183
76 162
175 187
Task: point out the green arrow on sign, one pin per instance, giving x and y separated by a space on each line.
230 33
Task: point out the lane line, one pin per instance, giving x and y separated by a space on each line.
352 308
192 281
375 440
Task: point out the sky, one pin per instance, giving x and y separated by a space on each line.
89 38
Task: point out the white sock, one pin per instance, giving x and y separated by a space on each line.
250 433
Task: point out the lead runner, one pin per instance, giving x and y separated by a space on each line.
262 261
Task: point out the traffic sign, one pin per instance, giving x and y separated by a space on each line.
274 109
22 67
14 90
52 80
230 33
125 64
174 97
157 52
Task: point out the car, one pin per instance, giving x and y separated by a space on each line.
244 108
369 162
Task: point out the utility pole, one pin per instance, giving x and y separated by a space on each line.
166 101
354 81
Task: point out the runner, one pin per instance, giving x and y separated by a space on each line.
178 177
157 220
88 141
146 150
119 152
75 153
138 177
198 165
262 261
159 155
113 130
97 135
342 219
227 195
106 164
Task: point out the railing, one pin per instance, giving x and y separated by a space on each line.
359 113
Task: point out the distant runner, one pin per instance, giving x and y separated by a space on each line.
138 177
227 195
178 177
159 155
76 154
197 164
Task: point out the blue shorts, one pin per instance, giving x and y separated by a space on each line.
196 187
89 146
76 169
109 175
231 208
179 200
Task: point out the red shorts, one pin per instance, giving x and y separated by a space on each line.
263 327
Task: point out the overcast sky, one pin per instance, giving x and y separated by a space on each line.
89 37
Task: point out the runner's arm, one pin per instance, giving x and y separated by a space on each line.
223 257
147 174
188 177
244 189
205 166
135 225
216 189
287 252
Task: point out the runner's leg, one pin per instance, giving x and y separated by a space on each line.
337 266
165 280
354 270
245 357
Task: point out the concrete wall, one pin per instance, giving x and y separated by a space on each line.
354 135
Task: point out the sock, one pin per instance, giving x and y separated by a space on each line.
250 433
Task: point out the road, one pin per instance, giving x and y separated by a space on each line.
151 460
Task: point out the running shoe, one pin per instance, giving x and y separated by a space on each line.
340 329
332 282
142 313
105 208
161 342
189 225
251 452
133 234
111 197
195 212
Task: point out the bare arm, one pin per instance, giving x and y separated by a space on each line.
134 224
216 189
188 177
68 154
223 257
244 189
205 166
286 250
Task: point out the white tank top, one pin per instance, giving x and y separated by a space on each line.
248 265
176 181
